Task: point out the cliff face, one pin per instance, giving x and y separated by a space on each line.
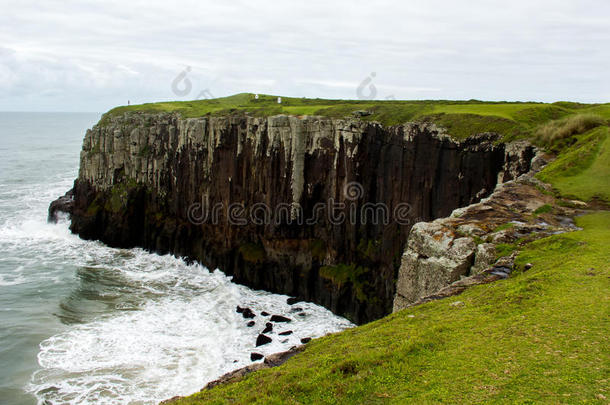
311 207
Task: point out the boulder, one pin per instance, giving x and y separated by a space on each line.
262 340
280 318
256 356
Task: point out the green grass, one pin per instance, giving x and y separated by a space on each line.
543 209
540 336
513 120
582 171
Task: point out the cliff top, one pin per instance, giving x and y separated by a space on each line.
514 120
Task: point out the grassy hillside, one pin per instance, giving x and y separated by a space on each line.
461 118
540 336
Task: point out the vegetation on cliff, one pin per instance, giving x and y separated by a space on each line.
461 118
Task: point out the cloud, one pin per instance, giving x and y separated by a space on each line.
73 55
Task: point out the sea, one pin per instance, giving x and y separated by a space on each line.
83 323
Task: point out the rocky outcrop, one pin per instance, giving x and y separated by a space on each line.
63 204
312 207
448 255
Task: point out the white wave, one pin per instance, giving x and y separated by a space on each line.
185 336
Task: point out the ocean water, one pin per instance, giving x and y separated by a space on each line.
84 323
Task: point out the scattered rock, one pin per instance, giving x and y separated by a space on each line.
264 313
457 304
286 333
361 113
268 327
296 309
292 300
262 340
501 271
239 310
280 318
256 356
250 324
580 204
248 314
302 314
306 340
528 266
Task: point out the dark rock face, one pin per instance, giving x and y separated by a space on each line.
256 197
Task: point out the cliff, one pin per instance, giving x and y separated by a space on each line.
312 207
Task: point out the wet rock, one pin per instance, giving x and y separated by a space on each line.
239 310
265 313
248 314
256 356
501 271
64 203
306 340
250 324
280 318
286 333
262 340
292 300
302 314
268 327
296 309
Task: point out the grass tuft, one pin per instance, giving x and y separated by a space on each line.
558 134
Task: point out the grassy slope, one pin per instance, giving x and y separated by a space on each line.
539 336
462 118
583 170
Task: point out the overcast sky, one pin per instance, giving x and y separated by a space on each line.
91 56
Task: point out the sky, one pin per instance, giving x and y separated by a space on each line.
80 55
